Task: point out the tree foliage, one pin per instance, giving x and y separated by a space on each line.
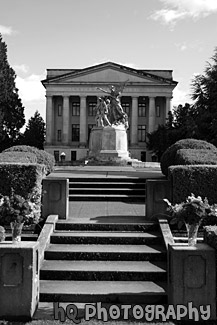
11 109
204 94
180 125
198 120
34 134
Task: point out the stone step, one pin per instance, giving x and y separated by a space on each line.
103 291
99 237
127 224
105 252
107 197
97 184
103 270
107 191
105 179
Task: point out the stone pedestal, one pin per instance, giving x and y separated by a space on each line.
19 280
109 144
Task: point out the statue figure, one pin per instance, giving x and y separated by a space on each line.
117 114
102 110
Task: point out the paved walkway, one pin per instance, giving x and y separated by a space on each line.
107 171
104 211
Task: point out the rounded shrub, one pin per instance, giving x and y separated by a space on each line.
18 157
42 157
169 156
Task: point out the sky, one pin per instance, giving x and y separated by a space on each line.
178 35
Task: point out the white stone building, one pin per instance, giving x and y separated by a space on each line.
72 95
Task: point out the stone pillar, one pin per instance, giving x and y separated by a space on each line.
134 122
56 197
65 132
83 122
49 119
151 118
168 106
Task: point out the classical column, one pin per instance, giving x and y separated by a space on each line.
134 122
83 121
65 132
49 119
151 117
168 106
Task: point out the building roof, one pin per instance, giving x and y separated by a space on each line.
61 75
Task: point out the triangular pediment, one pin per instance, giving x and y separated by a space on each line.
106 73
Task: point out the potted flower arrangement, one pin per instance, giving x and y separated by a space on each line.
16 211
191 213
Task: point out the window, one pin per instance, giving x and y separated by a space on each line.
126 108
75 109
73 155
90 126
142 109
91 109
141 133
59 135
56 155
59 112
158 111
75 132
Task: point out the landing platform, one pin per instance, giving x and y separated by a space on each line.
107 211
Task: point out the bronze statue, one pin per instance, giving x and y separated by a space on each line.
117 114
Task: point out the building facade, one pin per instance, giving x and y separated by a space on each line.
71 97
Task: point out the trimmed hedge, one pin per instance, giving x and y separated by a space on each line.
195 157
24 179
43 157
201 180
21 157
169 156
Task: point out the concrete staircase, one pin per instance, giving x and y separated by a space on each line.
128 189
89 262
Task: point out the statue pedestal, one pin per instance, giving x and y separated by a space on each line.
109 144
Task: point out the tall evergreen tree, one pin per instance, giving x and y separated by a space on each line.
204 94
11 109
34 134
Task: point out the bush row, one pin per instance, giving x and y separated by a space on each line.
198 179
169 156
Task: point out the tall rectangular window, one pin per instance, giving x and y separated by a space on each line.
142 133
126 108
91 109
75 132
59 111
59 135
142 109
75 109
